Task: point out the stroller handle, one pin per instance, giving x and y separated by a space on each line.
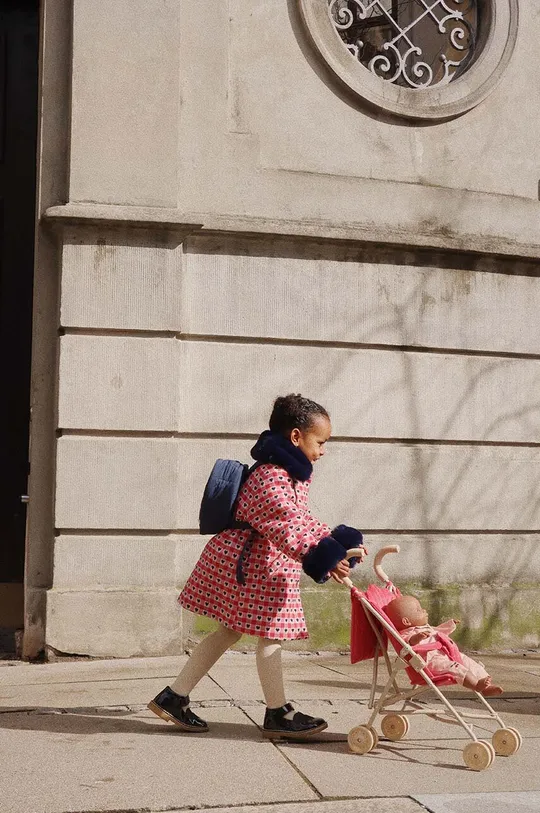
360 552
378 559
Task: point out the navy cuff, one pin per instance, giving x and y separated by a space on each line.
348 537
322 558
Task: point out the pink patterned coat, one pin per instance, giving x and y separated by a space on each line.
269 604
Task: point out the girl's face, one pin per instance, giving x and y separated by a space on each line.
312 441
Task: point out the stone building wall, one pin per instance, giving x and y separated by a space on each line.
238 226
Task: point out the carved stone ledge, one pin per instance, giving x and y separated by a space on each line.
513 224
93 214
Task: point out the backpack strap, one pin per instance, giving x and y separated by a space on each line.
246 547
240 525
245 526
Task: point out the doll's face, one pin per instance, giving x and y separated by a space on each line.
416 614
406 611
312 441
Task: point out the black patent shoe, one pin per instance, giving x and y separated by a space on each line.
300 726
175 709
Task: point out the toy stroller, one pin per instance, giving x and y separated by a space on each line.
371 629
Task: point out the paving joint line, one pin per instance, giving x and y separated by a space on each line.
303 777
219 703
242 805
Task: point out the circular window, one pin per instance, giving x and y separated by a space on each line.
423 59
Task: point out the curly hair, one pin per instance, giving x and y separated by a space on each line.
294 412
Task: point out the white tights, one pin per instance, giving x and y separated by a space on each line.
212 647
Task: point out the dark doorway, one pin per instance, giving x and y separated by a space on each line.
19 48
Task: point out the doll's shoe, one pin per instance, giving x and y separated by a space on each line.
175 709
297 727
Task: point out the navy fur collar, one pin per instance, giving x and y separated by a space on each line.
272 447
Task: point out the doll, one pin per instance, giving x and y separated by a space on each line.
411 621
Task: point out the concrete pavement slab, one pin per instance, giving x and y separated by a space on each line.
429 760
303 681
336 714
80 671
89 758
104 693
522 713
123 761
511 678
527 661
518 676
360 673
401 805
342 716
524 656
508 671
482 802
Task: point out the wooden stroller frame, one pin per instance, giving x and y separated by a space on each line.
478 754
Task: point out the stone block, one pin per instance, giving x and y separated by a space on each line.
492 617
157 483
122 383
428 487
128 483
230 387
114 623
120 279
455 559
35 612
139 562
125 101
132 623
400 486
98 562
155 562
188 549
342 294
128 383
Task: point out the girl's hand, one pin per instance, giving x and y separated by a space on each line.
360 558
341 571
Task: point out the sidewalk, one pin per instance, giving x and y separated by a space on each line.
76 736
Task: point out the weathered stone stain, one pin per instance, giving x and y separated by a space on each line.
508 619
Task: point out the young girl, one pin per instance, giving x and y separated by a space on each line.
249 580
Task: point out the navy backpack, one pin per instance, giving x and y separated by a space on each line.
218 505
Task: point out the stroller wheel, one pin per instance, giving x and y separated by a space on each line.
478 755
506 741
362 739
394 726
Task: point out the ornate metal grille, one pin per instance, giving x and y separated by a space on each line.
412 43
